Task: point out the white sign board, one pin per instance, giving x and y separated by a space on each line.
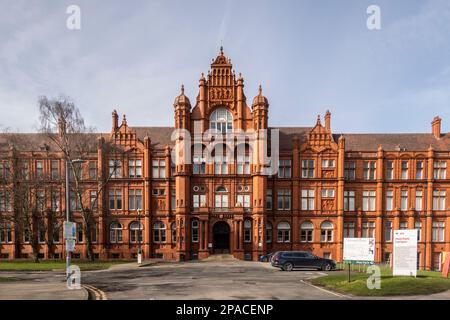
405 253
70 230
359 250
70 245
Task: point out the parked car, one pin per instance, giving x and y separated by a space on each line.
266 257
289 260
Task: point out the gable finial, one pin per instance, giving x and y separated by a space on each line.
182 89
260 90
318 119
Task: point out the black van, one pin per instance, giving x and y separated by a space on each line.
289 260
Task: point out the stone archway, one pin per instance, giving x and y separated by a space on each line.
221 237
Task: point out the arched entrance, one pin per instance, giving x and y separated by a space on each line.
221 237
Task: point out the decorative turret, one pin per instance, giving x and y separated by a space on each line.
260 108
182 107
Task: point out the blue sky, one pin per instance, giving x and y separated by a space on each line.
309 56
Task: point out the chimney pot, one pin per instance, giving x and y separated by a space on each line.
436 127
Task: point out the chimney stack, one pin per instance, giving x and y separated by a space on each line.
327 120
115 121
436 127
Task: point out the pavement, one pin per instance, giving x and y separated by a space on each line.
218 277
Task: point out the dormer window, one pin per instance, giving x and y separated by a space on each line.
221 120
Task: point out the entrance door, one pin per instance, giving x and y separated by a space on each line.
221 237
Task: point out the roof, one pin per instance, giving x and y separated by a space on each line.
161 136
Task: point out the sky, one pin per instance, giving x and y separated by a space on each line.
309 57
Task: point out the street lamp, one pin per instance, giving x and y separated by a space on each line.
68 162
139 255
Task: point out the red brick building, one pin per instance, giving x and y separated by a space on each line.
328 186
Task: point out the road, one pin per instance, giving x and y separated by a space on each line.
214 279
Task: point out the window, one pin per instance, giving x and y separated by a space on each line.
159 232
389 200
199 165
284 232
221 120
93 199
136 232
115 232
349 200
56 231
368 229
440 169
39 169
327 163
404 200
419 169
243 165
5 233
221 198
220 165
75 204
284 199
55 206
194 230
79 232
308 199
349 170
115 199
438 231
25 170
134 199
26 235
327 193
135 168
404 165
306 232
326 232
54 169
403 225
307 168
284 169
247 231
173 228
269 199
158 192
173 199
40 200
115 168
243 200
93 230
418 226
4 171
390 170
269 232
159 168
438 200
369 170
5 201
388 231
419 200
93 170
199 200
349 229
368 200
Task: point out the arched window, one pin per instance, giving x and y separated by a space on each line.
136 232
194 230
247 231
326 231
159 232
115 232
221 120
284 232
306 232
221 198
173 229
269 232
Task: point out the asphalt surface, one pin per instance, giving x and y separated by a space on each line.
213 279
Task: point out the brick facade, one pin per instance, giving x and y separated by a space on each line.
328 186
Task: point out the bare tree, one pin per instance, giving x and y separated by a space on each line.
62 122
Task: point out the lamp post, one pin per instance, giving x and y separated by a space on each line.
139 255
68 162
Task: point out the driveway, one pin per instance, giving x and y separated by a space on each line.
210 279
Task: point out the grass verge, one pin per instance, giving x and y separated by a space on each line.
48 265
427 282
